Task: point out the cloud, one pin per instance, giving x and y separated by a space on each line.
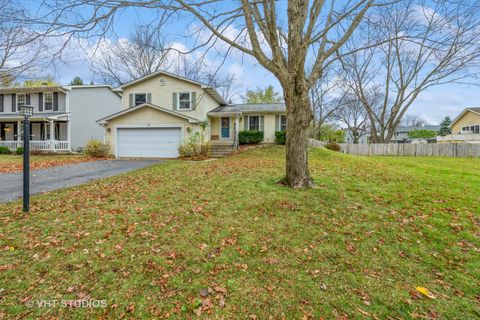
436 103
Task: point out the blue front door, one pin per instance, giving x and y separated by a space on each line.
225 127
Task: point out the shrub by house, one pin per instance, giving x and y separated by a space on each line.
250 137
280 137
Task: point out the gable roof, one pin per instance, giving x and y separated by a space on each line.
143 105
209 89
413 128
95 86
250 108
475 110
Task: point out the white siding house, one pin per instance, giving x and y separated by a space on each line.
63 119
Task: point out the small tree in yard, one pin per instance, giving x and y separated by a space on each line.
196 147
445 127
329 133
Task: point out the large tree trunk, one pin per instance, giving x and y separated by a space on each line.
299 117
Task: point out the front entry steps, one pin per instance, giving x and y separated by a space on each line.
221 150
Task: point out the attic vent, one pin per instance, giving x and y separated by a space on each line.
162 82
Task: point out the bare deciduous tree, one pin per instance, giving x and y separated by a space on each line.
353 115
18 49
413 120
326 99
432 43
146 51
280 36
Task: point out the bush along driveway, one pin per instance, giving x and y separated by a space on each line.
222 239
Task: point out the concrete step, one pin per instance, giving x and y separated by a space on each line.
221 149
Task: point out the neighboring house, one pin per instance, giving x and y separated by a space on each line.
87 104
465 128
401 134
64 116
349 137
162 110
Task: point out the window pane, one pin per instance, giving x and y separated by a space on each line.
140 98
283 123
21 99
254 123
184 104
184 100
48 101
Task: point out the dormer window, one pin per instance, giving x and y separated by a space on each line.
48 101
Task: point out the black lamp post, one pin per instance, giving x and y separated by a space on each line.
26 112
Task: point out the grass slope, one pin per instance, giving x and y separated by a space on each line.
222 240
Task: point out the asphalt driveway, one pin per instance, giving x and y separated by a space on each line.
53 178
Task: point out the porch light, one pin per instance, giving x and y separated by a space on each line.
26 111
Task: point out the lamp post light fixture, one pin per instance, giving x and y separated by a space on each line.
26 112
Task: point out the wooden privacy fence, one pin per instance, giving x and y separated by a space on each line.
408 149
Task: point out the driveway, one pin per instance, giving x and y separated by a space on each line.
54 178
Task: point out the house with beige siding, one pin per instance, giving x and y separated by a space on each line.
465 128
162 110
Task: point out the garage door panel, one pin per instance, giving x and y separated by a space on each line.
149 142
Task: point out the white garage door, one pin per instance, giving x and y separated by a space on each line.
149 142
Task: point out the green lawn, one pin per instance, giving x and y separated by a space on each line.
152 242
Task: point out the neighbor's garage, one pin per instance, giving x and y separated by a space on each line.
148 142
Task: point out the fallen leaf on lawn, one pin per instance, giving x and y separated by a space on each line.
426 292
270 260
220 289
203 292
6 267
365 313
206 303
221 303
